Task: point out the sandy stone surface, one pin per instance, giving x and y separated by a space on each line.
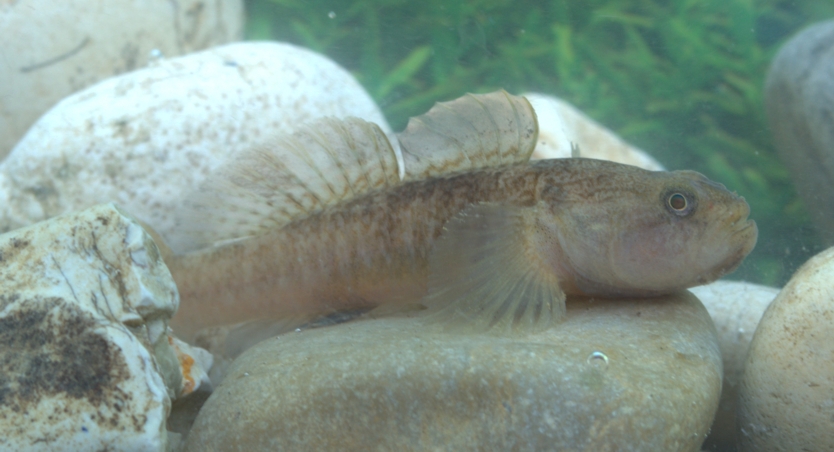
53 49
786 396
616 375
148 138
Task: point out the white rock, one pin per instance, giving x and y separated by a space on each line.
786 395
736 308
561 124
148 138
52 49
85 362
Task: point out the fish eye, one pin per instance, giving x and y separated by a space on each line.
680 203
677 202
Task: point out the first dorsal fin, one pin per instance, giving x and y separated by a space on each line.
471 132
321 164
486 276
331 161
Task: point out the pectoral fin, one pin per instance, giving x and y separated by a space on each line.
485 276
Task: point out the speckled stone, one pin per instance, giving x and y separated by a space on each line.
53 49
562 125
146 139
85 360
799 96
736 308
616 375
786 395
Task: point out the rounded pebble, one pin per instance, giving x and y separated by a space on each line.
617 374
786 395
53 49
736 308
799 97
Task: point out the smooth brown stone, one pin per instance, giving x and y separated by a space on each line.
396 384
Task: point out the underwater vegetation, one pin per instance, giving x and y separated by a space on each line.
682 79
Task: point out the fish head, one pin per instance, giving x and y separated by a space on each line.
659 233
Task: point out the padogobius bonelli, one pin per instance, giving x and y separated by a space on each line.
333 219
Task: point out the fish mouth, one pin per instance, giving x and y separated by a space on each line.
738 222
745 227
741 237
745 234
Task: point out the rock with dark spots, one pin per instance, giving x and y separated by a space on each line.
799 96
51 50
616 375
85 360
148 138
786 395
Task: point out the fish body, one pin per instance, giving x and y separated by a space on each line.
532 232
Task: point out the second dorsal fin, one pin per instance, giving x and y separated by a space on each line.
321 164
471 132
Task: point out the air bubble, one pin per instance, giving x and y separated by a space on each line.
155 57
331 14
598 359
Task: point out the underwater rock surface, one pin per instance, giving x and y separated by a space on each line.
51 50
799 96
736 308
561 125
786 396
148 138
86 362
630 375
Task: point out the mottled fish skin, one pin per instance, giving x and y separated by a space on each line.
602 228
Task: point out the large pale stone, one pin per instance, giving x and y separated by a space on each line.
799 96
616 375
561 125
786 395
85 361
147 138
736 308
52 49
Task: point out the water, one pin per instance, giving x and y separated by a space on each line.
681 80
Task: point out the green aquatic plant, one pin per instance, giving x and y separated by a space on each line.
681 79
